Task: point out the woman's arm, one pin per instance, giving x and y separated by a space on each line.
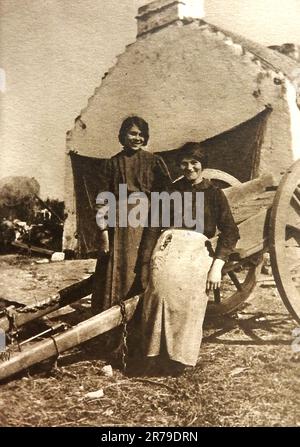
228 237
229 232
101 212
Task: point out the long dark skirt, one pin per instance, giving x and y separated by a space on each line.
116 277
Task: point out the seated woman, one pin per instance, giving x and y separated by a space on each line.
183 270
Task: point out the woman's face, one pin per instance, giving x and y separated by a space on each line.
191 169
134 138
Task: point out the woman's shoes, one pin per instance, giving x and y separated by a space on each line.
157 366
150 367
174 369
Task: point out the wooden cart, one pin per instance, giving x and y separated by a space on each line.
268 217
269 221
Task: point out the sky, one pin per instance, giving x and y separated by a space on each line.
53 54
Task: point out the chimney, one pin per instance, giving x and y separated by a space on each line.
160 13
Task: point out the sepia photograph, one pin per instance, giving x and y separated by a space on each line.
149 215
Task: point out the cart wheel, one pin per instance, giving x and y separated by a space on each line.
285 239
221 178
237 285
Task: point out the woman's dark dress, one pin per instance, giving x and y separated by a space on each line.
116 276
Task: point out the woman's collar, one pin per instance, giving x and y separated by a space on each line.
130 152
204 184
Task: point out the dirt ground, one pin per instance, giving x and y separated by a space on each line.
248 373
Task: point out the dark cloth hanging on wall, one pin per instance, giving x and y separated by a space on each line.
90 177
236 151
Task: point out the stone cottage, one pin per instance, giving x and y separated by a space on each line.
192 81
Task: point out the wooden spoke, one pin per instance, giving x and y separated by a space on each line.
235 290
293 232
284 239
235 280
295 202
293 217
297 192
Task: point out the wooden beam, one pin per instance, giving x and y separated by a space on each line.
241 193
57 344
65 296
39 250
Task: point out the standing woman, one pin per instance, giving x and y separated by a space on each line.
182 270
116 275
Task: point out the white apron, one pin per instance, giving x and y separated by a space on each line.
175 300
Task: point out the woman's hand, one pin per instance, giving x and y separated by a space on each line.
104 242
214 276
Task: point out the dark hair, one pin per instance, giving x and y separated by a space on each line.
193 150
131 121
